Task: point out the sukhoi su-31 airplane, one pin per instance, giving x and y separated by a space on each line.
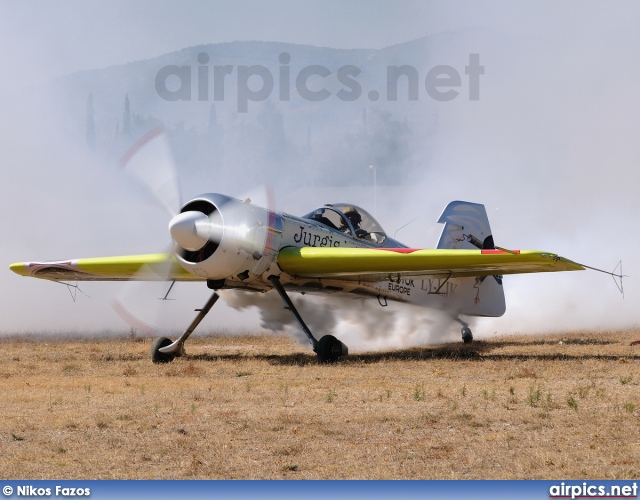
337 249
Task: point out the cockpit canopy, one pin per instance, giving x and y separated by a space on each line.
349 219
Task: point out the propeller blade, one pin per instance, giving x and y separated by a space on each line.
150 161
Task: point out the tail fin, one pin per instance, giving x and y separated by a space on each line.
466 227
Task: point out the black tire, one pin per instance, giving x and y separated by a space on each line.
156 355
467 336
329 349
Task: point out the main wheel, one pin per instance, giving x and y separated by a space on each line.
467 336
329 349
156 355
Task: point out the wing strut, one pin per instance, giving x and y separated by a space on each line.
289 305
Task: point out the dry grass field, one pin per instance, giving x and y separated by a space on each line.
563 406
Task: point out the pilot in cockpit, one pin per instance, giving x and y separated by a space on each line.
355 218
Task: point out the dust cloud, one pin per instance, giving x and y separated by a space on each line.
359 323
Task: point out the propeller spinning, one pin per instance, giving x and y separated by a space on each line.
199 227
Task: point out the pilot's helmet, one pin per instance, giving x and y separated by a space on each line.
353 215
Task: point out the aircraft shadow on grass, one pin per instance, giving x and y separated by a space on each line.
479 351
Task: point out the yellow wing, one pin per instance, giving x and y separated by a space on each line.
362 264
391 264
147 267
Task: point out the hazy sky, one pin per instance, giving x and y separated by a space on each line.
54 38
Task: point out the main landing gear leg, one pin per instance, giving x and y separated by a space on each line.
467 336
163 350
329 348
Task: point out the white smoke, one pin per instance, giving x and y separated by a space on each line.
362 324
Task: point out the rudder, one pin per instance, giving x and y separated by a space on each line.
466 227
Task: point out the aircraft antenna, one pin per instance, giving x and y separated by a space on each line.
394 234
166 295
75 287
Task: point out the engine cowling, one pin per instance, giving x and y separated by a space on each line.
218 237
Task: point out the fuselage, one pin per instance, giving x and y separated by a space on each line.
251 237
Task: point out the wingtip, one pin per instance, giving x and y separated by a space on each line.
572 265
19 268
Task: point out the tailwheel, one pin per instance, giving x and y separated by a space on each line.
467 336
161 357
329 349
